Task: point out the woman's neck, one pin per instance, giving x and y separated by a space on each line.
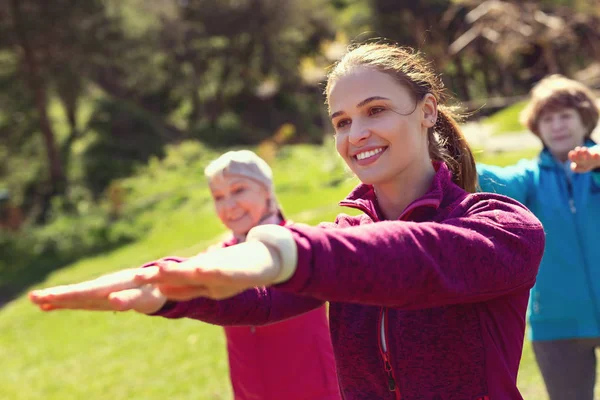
393 197
563 156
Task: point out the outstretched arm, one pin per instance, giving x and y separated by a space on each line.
121 291
513 181
255 306
492 248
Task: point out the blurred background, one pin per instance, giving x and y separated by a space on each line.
109 111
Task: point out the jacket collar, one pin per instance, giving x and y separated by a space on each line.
363 196
547 160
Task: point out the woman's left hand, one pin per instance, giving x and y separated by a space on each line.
584 159
217 274
113 292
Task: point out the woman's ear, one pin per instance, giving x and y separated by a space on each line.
429 111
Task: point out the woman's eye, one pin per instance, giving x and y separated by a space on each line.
218 198
565 116
342 123
238 190
375 110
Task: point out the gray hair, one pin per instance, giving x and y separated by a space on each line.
247 164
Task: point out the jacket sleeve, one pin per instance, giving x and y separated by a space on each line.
492 249
514 181
257 306
596 172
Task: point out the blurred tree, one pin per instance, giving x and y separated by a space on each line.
51 44
238 61
89 90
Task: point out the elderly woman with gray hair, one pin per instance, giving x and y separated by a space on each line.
292 359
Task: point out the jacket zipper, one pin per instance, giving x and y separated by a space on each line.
392 385
382 328
571 199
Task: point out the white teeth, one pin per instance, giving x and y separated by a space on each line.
367 154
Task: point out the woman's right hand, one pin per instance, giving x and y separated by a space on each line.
113 292
584 159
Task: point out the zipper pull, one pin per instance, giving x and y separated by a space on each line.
391 381
572 206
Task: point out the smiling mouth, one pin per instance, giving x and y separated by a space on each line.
237 219
369 153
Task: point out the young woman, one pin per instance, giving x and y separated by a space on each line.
562 189
428 288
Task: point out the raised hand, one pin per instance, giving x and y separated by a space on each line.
584 159
217 274
113 292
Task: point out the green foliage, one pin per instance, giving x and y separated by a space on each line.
126 136
33 252
507 120
505 158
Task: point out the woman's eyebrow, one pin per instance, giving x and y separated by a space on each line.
359 105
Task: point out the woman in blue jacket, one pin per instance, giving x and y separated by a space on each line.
562 188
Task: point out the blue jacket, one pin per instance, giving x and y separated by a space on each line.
565 301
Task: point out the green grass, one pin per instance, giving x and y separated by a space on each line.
506 121
504 158
89 356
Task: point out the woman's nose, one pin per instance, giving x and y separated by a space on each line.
556 123
358 134
229 203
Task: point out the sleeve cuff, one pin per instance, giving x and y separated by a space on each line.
282 240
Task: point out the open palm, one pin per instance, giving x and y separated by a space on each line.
584 159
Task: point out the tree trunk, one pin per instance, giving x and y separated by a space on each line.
549 58
36 84
70 106
461 79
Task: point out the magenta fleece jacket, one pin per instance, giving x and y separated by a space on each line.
431 306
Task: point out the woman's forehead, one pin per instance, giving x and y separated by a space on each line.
556 109
361 83
223 179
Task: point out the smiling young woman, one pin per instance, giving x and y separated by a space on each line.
428 289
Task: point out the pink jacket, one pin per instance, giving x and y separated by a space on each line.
288 360
291 359
428 307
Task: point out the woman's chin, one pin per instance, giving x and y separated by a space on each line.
240 229
370 178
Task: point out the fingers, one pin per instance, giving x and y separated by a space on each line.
583 160
84 292
59 293
145 299
76 306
